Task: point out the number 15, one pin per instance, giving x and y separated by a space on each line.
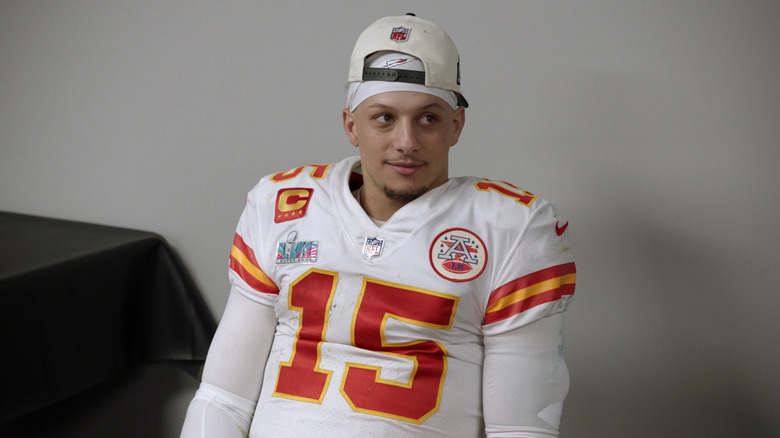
301 378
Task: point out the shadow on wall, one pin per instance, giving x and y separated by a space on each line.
140 403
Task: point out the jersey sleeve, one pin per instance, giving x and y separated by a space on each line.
233 373
538 277
525 380
247 275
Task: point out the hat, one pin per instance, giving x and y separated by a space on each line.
406 67
414 36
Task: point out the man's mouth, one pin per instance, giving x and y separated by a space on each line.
405 167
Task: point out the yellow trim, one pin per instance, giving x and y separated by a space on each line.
534 289
250 267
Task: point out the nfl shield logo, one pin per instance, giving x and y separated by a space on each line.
373 247
399 34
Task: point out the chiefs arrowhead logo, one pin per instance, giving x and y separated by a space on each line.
458 255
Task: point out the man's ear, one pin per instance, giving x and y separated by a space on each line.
459 119
348 120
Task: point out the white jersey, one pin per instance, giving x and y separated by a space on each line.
380 328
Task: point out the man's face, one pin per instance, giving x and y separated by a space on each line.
404 139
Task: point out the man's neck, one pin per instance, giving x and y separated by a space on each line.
379 208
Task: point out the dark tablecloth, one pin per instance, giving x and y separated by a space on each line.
80 303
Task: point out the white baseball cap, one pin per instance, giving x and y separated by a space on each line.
424 40
406 66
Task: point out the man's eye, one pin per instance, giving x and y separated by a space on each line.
384 118
428 119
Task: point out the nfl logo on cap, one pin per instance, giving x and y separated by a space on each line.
399 34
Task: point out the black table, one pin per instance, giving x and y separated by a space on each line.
80 303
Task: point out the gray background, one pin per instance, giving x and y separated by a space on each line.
652 124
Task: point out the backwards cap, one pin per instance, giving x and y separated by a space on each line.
414 36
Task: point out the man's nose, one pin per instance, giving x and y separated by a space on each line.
406 137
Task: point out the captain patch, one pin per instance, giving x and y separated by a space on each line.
291 204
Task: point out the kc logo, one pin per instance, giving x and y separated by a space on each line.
292 204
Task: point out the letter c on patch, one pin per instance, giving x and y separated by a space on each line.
292 203
292 199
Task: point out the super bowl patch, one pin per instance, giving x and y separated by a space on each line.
458 255
293 251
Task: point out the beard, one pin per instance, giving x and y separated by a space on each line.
407 195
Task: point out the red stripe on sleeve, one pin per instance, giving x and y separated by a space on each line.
244 263
531 290
239 243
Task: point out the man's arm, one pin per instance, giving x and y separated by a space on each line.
233 374
525 380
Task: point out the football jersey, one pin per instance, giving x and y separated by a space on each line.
380 328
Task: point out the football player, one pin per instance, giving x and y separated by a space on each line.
377 295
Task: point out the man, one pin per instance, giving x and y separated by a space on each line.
377 296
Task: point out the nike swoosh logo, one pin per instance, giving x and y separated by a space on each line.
560 229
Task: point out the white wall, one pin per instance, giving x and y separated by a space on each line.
653 125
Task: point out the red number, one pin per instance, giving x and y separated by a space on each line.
318 172
418 398
301 378
522 196
415 400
